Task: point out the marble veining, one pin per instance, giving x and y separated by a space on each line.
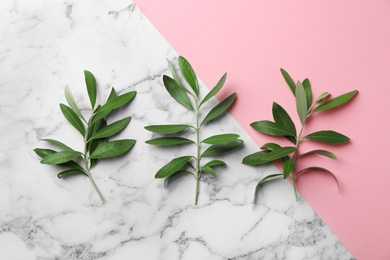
46 45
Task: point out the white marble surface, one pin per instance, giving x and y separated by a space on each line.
46 45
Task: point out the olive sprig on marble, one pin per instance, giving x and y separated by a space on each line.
94 131
284 126
218 144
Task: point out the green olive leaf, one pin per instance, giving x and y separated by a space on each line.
167 129
172 167
175 77
112 149
60 157
117 102
289 80
319 152
219 109
42 152
270 146
91 87
112 95
288 166
301 102
69 173
73 119
58 144
315 168
328 137
220 139
321 98
176 92
188 74
271 128
309 96
72 103
335 102
257 188
112 129
168 141
282 117
210 170
214 163
215 90
279 153
255 158
220 149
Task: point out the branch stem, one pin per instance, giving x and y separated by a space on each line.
198 158
86 160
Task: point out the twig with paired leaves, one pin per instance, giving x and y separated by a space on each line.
95 133
219 144
284 126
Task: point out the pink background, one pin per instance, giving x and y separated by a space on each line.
340 46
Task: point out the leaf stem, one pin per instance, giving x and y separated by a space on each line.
294 158
197 167
86 160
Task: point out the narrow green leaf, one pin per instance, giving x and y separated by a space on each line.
220 139
60 157
255 158
73 119
172 167
301 102
113 148
309 95
319 152
69 173
72 103
270 146
266 178
278 153
45 152
213 163
289 80
315 168
219 149
322 97
188 74
335 102
112 129
175 77
282 117
271 128
112 95
41 152
176 92
167 129
91 87
215 90
210 170
288 166
219 109
168 141
328 137
58 144
95 127
117 102
72 165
